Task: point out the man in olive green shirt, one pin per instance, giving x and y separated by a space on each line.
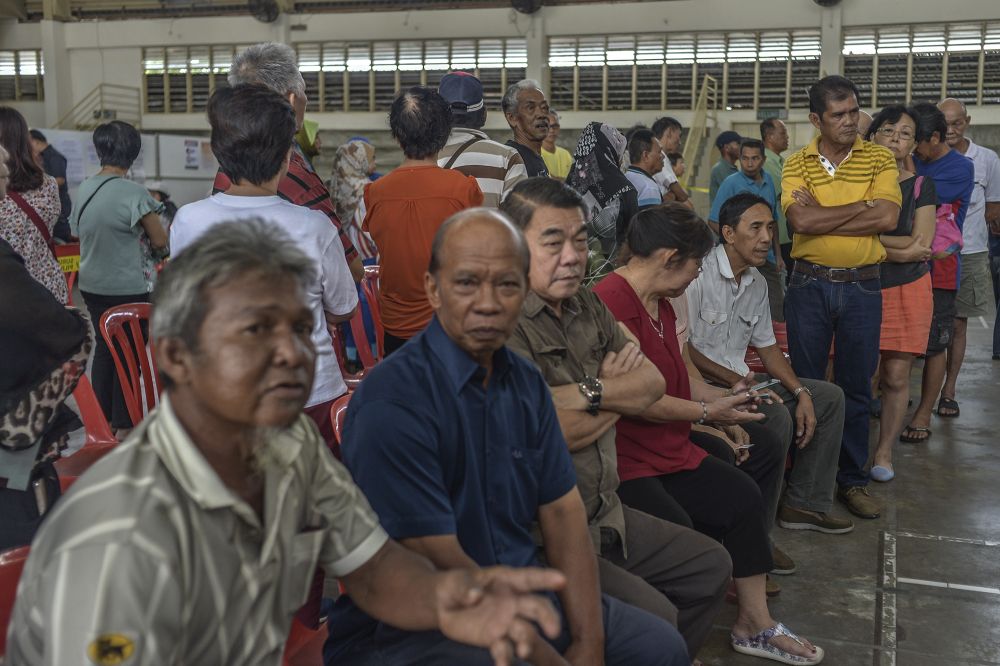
728 144
774 134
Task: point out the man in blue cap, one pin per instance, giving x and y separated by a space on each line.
496 167
728 144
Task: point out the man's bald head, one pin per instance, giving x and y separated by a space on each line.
490 223
956 116
478 280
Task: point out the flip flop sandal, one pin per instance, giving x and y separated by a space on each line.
905 436
948 403
760 646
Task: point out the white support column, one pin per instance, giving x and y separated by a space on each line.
58 74
537 48
831 41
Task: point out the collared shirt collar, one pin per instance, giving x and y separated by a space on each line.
640 170
771 155
534 304
813 147
457 364
189 467
726 268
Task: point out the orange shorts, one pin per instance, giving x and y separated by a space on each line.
906 316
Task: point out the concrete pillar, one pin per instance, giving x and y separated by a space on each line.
831 41
58 74
536 44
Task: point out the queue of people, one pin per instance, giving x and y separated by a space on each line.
560 460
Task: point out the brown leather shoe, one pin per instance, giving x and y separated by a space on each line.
859 502
799 519
783 564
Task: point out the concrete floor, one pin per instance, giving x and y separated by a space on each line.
854 594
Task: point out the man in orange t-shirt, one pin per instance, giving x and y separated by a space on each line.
406 207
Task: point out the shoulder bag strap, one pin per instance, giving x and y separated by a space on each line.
35 218
461 149
79 216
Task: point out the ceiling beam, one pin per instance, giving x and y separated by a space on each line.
56 10
287 6
13 9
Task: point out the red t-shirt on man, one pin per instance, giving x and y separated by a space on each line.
404 210
646 448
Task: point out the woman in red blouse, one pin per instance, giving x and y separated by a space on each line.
659 466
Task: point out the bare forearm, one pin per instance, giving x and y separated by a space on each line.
631 393
679 192
395 573
334 319
668 408
882 217
712 370
777 366
819 220
895 242
896 256
568 548
581 429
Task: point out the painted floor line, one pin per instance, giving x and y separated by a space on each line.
937 537
886 656
949 586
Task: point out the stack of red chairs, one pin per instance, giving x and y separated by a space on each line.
370 286
781 336
136 368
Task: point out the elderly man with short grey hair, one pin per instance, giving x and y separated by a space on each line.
527 112
274 66
195 541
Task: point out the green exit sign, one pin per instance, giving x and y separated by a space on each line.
767 114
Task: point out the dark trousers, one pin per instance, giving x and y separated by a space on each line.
786 254
720 500
848 315
392 343
632 637
995 270
103 375
671 571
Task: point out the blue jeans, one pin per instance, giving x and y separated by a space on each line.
848 314
632 637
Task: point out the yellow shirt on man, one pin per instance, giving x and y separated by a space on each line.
558 162
867 173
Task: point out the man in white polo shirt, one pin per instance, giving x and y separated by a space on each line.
728 311
975 291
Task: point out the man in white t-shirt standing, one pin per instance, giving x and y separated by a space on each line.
668 132
975 290
252 137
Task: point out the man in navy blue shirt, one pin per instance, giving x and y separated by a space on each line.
455 441
954 178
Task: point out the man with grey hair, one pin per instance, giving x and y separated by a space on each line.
194 542
455 440
274 66
527 112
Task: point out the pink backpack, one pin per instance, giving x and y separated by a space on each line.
947 235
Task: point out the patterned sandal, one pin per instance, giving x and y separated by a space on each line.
760 646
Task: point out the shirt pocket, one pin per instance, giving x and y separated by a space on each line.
303 555
747 325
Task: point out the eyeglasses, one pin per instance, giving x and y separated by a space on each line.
889 132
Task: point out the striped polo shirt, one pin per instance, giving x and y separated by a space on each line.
868 172
151 559
496 167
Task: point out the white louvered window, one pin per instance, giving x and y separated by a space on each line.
21 75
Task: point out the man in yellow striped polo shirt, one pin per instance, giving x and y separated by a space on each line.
838 194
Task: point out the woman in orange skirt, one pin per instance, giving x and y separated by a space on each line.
907 302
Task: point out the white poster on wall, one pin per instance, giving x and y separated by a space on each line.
192 154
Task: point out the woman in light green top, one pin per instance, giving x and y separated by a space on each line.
121 240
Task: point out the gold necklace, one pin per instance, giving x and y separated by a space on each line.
655 324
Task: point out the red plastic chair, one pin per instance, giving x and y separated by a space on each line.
304 646
352 379
69 250
72 467
781 335
338 411
11 566
94 423
371 284
136 369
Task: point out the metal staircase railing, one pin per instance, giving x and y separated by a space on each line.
106 102
705 112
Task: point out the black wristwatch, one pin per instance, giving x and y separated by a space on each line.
592 389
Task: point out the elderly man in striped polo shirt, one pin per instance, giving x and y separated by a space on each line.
839 193
497 168
195 541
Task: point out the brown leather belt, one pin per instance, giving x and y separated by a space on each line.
868 272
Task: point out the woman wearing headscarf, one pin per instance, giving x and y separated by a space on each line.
352 165
597 176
